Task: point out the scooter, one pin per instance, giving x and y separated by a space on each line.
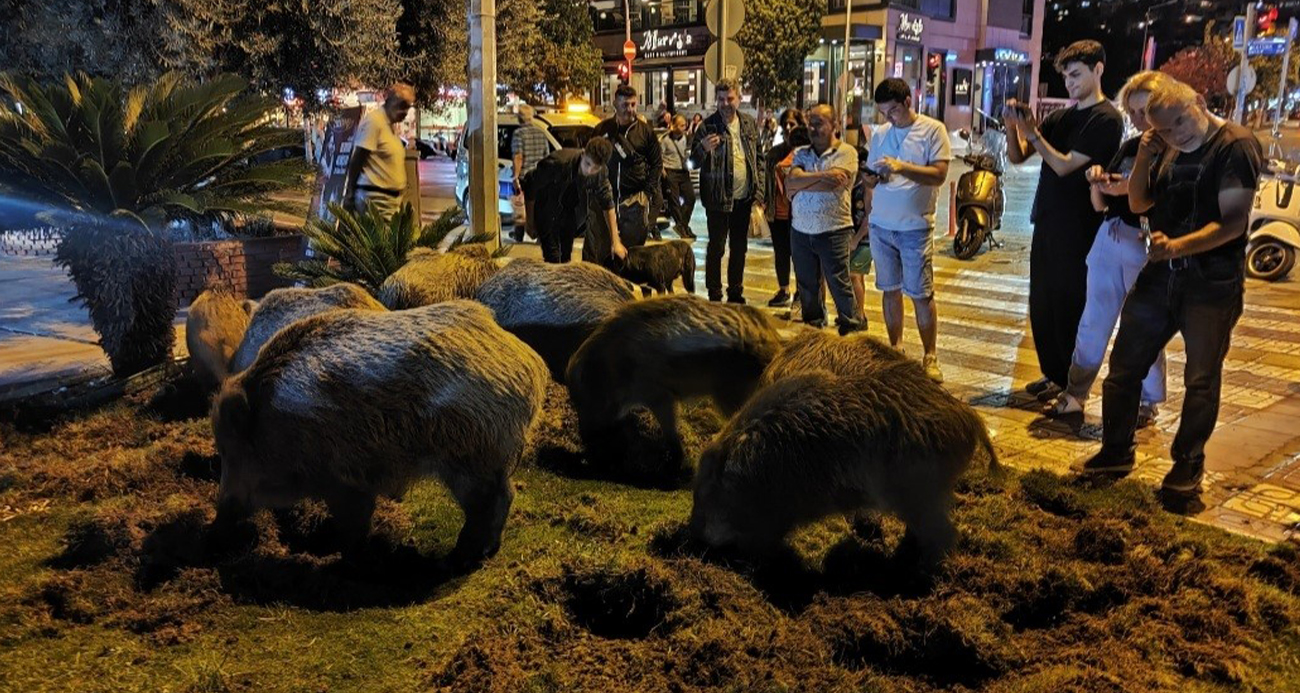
980 198
1274 235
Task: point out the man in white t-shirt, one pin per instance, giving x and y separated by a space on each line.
909 161
377 168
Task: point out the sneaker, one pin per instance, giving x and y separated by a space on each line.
517 234
738 300
1065 403
1107 462
1147 415
1040 386
685 234
1185 477
931 363
847 327
780 300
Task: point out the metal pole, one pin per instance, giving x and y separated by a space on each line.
844 74
722 38
485 220
1281 80
1239 113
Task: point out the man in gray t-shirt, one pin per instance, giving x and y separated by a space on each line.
909 161
821 213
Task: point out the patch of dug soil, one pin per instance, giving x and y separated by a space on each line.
631 604
633 452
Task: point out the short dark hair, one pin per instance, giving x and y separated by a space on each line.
892 89
624 91
1087 51
598 149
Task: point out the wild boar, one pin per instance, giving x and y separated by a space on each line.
214 326
658 352
553 307
281 307
430 277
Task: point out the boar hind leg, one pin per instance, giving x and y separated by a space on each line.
486 504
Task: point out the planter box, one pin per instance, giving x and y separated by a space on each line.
242 267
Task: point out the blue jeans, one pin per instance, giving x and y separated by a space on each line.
1201 297
824 255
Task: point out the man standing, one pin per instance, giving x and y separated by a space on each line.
634 170
569 191
910 155
1195 177
528 147
820 186
679 192
732 182
1065 223
376 174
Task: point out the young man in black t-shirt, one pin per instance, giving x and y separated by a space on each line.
569 193
1195 177
1065 223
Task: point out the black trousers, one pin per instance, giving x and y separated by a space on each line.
1058 290
679 198
781 250
1201 300
729 233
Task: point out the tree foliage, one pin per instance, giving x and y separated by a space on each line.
1204 68
572 62
776 37
47 40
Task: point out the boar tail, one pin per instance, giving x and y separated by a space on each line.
987 443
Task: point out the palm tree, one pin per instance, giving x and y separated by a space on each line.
113 167
366 247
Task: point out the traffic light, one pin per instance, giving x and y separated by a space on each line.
625 72
1267 17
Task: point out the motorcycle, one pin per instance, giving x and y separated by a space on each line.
1274 236
980 198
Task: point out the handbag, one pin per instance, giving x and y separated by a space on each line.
758 227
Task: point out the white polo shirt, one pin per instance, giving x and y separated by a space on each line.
815 212
386 165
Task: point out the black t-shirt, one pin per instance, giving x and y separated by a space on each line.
1094 131
562 194
1186 185
637 162
1117 205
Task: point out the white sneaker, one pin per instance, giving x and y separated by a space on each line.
931 363
1065 403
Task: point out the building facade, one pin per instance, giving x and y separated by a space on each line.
962 58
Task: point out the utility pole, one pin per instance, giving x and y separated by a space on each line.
485 219
844 97
1239 112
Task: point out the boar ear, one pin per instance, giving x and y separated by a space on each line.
249 305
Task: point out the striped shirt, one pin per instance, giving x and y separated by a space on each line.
530 140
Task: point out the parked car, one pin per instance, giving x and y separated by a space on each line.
563 129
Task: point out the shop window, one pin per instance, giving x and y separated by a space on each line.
1027 17
941 9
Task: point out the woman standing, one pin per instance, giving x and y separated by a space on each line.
794 133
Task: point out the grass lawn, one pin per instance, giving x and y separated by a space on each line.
1055 586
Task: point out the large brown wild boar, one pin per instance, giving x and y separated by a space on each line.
281 307
214 326
350 404
658 352
553 307
430 277
816 444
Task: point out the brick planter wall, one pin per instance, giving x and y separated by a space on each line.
242 267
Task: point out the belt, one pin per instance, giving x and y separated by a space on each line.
391 192
1177 264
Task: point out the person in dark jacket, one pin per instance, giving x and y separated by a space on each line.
569 191
794 133
733 179
635 168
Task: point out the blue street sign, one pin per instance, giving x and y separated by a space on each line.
1238 32
1270 46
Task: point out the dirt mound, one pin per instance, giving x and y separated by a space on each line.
629 604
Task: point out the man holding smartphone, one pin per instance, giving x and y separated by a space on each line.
909 161
1065 223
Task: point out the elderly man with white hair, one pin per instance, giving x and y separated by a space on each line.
377 168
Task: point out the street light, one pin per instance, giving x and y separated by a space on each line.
1146 29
